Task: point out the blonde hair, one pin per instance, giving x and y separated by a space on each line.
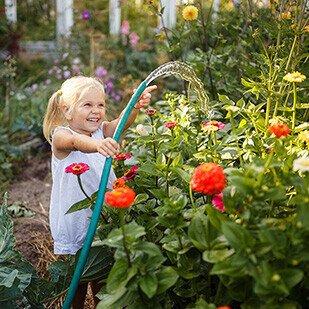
69 95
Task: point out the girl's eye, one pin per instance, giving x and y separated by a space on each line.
87 104
101 106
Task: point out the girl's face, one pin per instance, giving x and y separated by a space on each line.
89 113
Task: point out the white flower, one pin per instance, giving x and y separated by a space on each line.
141 130
301 164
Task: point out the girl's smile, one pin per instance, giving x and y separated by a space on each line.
89 113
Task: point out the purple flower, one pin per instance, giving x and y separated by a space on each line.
50 72
48 81
66 74
86 15
100 72
59 76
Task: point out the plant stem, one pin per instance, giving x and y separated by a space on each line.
294 107
191 198
81 187
122 223
153 133
215 142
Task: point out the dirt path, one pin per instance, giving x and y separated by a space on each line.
31 190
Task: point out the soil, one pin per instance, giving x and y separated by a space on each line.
31 190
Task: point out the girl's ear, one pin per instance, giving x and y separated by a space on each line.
66 113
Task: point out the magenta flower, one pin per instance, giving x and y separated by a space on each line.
77 168
170 125
130 174
218 124
86 15
122 156
150 112
217 201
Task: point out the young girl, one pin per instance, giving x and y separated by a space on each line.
76 128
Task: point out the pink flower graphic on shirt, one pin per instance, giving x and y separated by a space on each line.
77 168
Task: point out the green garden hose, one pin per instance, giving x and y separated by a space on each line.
99 202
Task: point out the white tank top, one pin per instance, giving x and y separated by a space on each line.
69 231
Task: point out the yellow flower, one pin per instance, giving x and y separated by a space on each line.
294 77
286 15
306 29
304 136
190 12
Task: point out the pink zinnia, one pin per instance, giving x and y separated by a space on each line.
77 168
215 123
217 200
170 125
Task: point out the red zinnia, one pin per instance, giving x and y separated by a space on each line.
279 129
123 156
224 307
131 173
119 183
208 178
120 198
170 125
77 168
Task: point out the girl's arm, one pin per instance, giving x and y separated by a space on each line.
110 127
64 142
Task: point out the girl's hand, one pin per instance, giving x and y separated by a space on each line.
144 99
108 147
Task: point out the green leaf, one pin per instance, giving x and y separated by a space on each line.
235 266
291 276
7 240
149 284
141 198
215 256
200 232
86 203
119 276
99 263
108 300
185 176
167 277
238 236
216 218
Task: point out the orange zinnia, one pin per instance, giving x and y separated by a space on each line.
208 178
119 183
120 198
279 129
